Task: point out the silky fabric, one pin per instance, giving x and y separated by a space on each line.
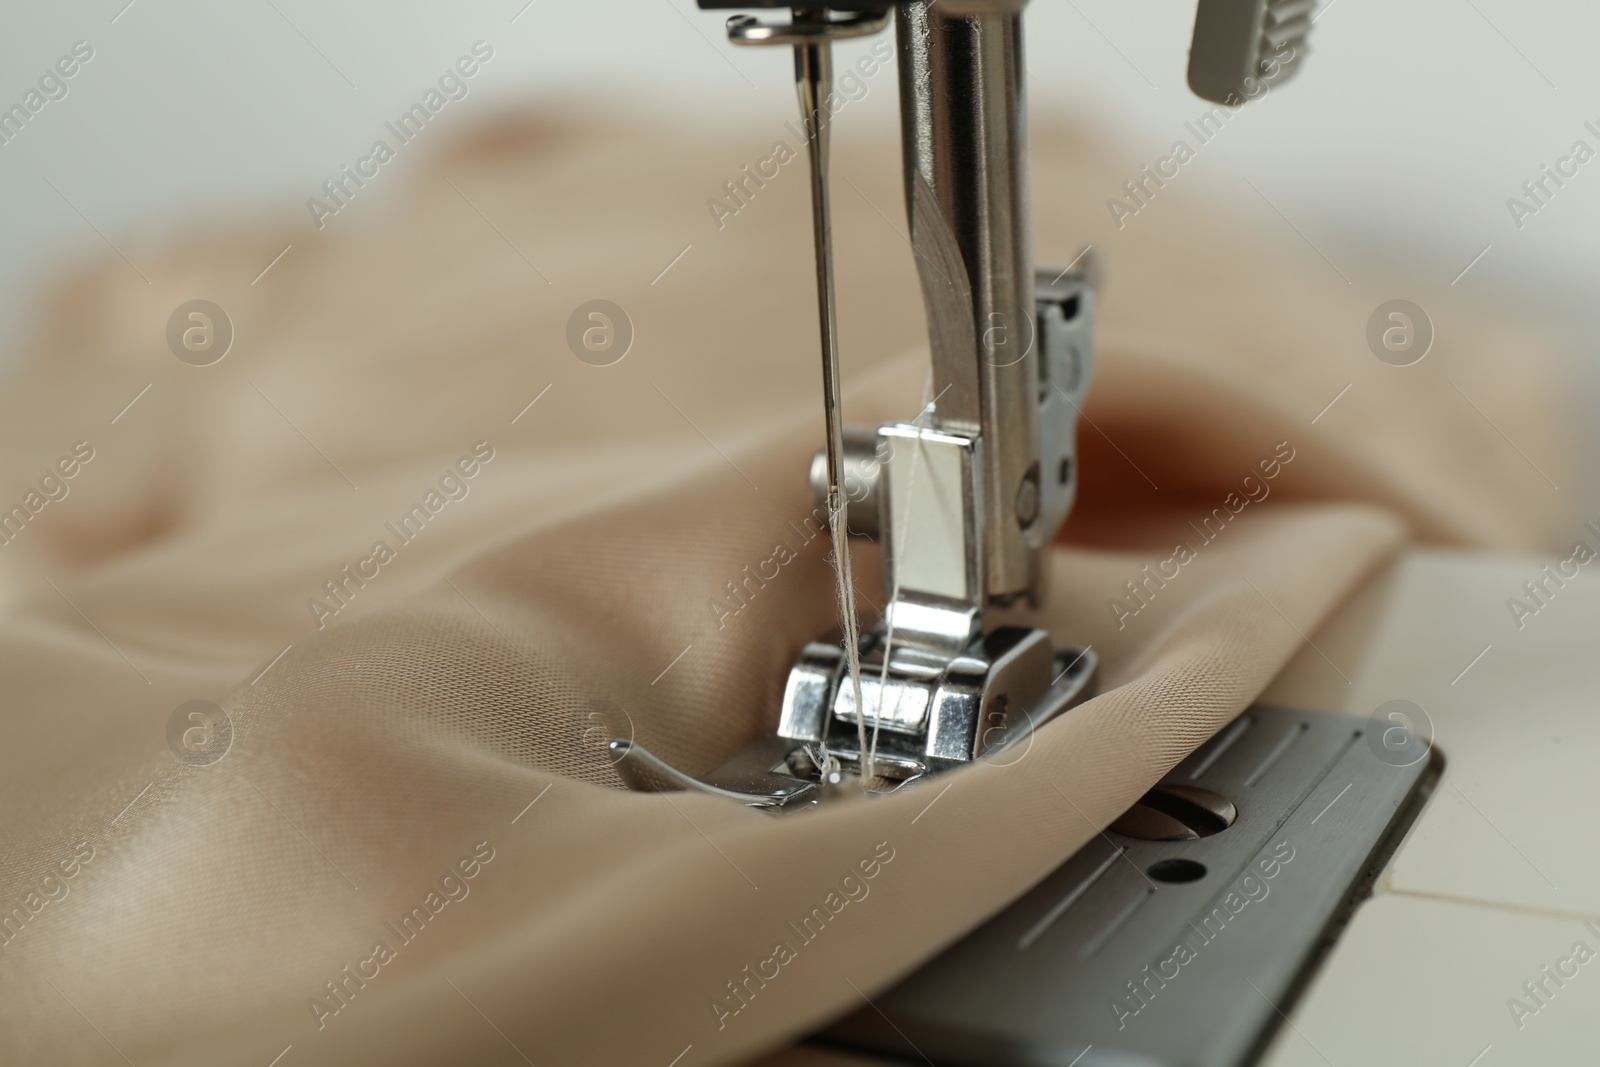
417 755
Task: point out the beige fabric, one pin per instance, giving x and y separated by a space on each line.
414 732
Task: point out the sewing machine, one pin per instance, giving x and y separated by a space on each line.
1154 944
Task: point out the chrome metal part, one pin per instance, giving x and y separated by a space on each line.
932 518
750 30
964 132
985 704
1065 301
938 712
862 462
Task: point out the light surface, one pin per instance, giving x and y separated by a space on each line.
1498 876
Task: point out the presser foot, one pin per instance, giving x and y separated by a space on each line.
931 714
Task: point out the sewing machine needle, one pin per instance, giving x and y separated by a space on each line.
813 70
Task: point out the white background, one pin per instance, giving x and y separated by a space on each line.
1408 127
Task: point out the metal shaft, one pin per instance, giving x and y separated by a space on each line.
963 111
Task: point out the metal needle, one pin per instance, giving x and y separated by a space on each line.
813 73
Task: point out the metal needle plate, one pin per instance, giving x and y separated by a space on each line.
1170 953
